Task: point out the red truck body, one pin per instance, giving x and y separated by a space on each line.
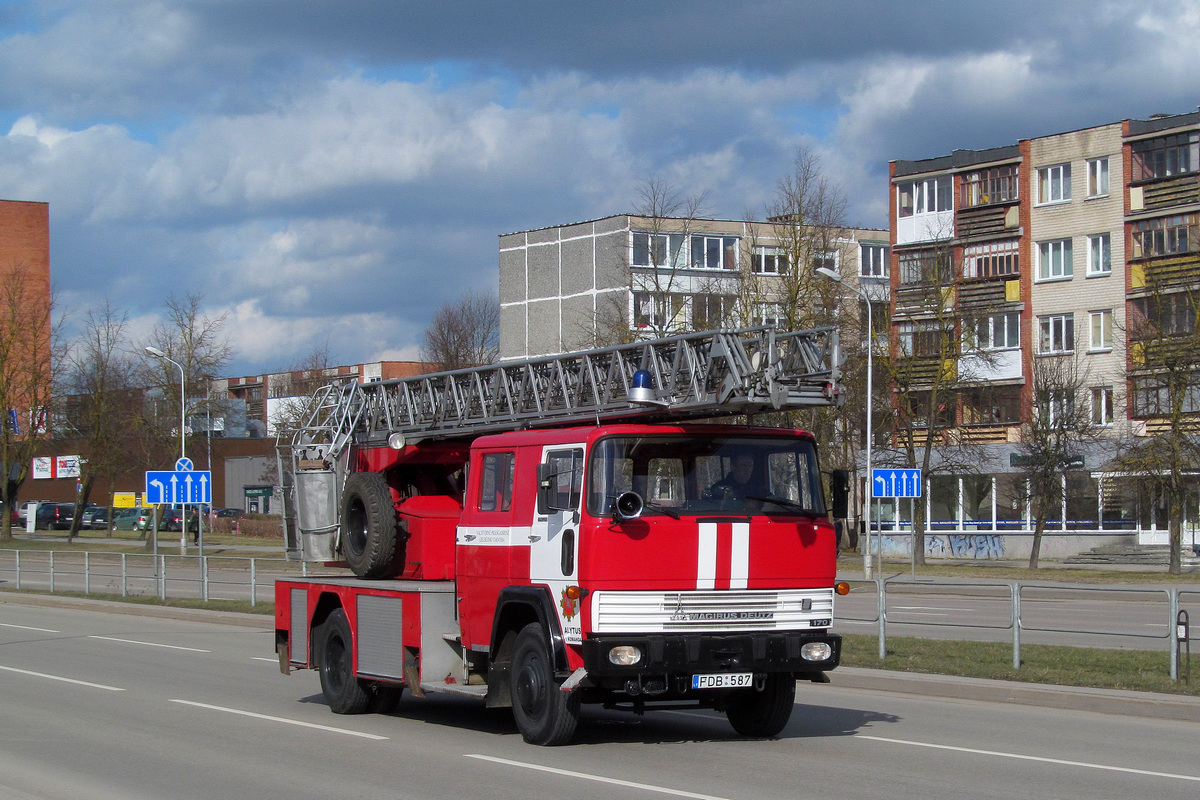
548 568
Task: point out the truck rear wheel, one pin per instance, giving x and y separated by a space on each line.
369 529
545 714
765 713
345 693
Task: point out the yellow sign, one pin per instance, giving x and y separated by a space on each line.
125 499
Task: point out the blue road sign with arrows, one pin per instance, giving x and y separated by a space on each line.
190 487
895 483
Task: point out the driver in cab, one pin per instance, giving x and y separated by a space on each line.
740 482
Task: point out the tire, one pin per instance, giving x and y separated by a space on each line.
766 713
545 715
345 693
369 529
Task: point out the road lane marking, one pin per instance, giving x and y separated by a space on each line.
64 680
263 658
284 720
27 628
150 644
597 778
1043 759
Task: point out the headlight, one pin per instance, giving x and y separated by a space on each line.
625 655
816 651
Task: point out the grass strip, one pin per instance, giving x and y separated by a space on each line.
1135 670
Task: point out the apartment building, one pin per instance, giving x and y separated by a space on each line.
584 284
1025 258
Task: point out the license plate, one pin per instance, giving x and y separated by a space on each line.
726 680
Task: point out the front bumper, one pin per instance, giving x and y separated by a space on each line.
691 654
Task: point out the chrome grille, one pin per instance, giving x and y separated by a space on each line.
661 612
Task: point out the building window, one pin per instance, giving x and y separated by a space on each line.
1166 235
926 196
1165 156
1152 397
992 405
711 311
874 261
991 260
657 249
714 252
768 314
1102 405
925 266
999 331
1057 334
1099 255
1163 315
768 260
924 340
995 185
1101 330
919 410
1097 177
1058 404
661 311
826 260
1054 184
1055 260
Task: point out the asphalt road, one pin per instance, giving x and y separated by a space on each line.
102 703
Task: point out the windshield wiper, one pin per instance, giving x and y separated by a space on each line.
670 512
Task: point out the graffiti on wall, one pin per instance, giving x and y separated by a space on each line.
954 545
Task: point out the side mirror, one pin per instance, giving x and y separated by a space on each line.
547 493
627 506
839 486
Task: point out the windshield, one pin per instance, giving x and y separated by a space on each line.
702 475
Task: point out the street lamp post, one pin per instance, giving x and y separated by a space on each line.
833 276
159 354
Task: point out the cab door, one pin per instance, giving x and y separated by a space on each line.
553 539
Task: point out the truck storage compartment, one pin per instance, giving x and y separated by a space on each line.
430 522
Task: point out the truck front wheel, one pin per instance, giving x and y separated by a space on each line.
765 713
345 693
369 529
545 714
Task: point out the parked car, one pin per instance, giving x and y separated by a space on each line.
171 519
95 518
54 516
133 519
230 513
28 504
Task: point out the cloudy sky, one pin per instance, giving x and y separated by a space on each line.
331 172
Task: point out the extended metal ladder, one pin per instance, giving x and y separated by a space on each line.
693 376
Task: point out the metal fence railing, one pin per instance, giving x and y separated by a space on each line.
145 574
1166 610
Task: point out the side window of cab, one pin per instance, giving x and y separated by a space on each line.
496 481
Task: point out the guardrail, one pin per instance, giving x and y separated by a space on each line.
1176 635
125 574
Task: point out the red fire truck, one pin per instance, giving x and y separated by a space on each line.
548 533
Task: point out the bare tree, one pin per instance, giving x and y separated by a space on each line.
29 339
101 403
465 333
197 343
1164 342
1053 438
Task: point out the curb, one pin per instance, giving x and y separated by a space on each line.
1075 698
